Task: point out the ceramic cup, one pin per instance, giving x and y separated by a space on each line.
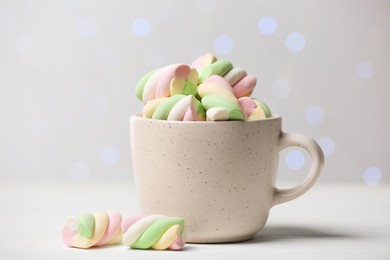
218 176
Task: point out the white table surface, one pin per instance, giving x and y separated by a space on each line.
343 221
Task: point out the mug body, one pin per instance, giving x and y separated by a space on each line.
218 176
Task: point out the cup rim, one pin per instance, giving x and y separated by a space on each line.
140 117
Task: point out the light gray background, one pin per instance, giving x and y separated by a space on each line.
68 71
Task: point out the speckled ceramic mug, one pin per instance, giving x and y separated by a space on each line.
219 176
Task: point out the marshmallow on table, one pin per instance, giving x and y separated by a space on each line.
139 232
154 231
89 230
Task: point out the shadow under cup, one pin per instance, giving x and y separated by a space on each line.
218 176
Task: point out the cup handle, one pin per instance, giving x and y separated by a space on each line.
289 140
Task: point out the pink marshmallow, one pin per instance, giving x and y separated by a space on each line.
176 71
247 105
245 86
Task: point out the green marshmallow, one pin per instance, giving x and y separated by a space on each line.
220 67
234 109
86 225
166 106
139 88
266 109
155 231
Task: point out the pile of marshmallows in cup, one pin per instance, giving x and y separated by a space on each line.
208 89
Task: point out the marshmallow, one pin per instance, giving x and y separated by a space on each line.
89 230
176 108
232 107
264 107
179 78
179 112
154 231
235 75
216 85
216 92
254 109
162 111
220 67
203 61
245 86
177 71
218 114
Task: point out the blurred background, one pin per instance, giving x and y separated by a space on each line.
68 69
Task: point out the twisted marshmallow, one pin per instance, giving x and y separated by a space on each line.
254 109
242 83
175 108
154 231
89 230
167 81
203 61
219 100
